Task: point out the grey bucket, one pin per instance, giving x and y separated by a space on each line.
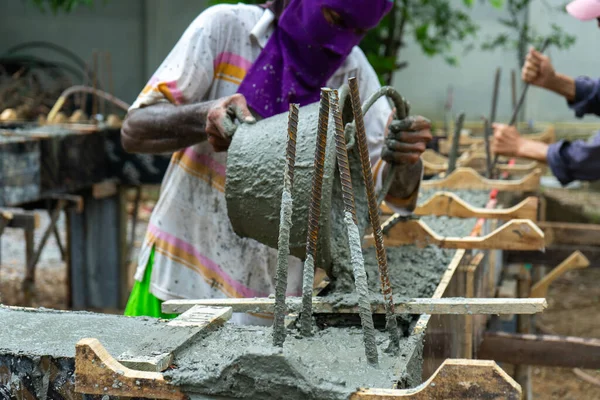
254 184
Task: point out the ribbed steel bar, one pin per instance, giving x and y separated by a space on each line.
363 149
285 224
354 237
314 213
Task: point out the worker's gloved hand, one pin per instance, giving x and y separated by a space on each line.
406 140
507 140
221 118
538 69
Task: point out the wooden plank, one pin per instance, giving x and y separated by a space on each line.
571 233
553 253
98 373
449 204
546 136
543 350
518 234
21 219
575 261
104 189
455 379
180 331
468 178
446 305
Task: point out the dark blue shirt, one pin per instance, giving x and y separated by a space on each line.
579 160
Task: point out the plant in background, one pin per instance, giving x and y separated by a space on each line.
61 5
520 35
434 24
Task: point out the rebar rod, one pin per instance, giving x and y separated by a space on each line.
354 237
363 149
285 224
453 156
314 213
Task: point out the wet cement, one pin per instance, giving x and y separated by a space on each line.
414 272
362 290
43 332
329 365
239 362
281 276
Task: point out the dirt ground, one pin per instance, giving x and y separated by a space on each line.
574 305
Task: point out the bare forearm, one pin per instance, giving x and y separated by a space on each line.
533 150
563 85
163 128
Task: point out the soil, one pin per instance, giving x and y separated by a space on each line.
574 301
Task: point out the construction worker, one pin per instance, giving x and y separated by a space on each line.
569 161
256 60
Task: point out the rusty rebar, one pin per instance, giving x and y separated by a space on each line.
453 156
314 213
517 109
354 237
285 225
384 276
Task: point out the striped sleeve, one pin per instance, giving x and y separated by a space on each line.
186 75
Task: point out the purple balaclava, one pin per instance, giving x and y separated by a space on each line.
305 50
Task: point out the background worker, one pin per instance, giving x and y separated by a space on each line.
569 161
256 61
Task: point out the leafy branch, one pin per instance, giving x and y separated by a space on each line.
61 5
520 35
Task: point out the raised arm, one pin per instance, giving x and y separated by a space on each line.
165 127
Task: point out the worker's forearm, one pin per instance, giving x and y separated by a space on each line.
163 128
406 180
533 150
563 85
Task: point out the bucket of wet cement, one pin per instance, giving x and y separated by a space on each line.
254 184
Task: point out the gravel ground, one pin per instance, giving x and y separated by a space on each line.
51 270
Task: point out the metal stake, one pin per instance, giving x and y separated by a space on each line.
285 224
455 143
314 213
513 119
386 287
354 237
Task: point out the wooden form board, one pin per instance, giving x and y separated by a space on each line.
413 306
544 350
570 233
547 136
182 330
455 379
435 163
575 261
98 373
468 178
518 234
450 205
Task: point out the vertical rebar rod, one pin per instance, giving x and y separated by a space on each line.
354 237
487 133
111 86
285 224
384 276
515 114
495 94
513 88
314 213
453 156
95 84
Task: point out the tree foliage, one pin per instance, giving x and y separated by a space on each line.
519 35
435 25
61 5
